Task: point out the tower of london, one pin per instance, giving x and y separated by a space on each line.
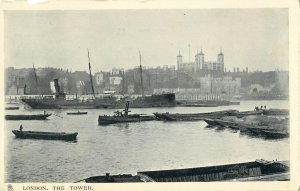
199 65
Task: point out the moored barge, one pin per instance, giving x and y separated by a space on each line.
193 116
258 170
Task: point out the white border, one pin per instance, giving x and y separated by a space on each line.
294 23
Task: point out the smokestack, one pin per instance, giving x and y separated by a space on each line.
56 85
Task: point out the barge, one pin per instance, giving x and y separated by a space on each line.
258 170
193 116
27 117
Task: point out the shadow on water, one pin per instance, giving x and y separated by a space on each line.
47 140
260 136
120 125
247 134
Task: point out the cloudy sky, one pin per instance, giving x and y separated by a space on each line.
257 38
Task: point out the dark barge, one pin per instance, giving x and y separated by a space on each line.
45 135
258 170
213 103
255 170
261 126
194 116
27 117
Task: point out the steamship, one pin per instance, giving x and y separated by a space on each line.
108 101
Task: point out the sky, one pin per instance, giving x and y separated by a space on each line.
253 38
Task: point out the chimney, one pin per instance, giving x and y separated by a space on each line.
56 85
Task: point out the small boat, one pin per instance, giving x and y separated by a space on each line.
45 135
27 117
121 117
258 170
12 108
77 113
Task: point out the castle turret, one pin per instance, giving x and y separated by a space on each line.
199 61
179 61
220 60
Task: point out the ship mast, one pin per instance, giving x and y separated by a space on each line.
141 73
36 79
91 75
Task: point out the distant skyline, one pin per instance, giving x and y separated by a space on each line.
253 38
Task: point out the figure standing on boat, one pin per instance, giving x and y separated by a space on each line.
21 128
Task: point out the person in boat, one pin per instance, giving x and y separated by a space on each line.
118 113
261 107
265 107
21 128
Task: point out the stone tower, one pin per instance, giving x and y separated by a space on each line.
220 60
199 61
179 61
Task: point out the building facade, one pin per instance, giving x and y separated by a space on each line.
210 88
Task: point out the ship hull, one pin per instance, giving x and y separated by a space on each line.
45 135
162 100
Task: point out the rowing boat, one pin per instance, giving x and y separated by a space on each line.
45 135
77 113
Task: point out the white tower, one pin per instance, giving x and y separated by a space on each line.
199 61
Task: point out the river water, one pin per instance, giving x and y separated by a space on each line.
129 148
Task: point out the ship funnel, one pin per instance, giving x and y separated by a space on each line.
126 108
56 85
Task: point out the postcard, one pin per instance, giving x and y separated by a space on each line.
150 95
